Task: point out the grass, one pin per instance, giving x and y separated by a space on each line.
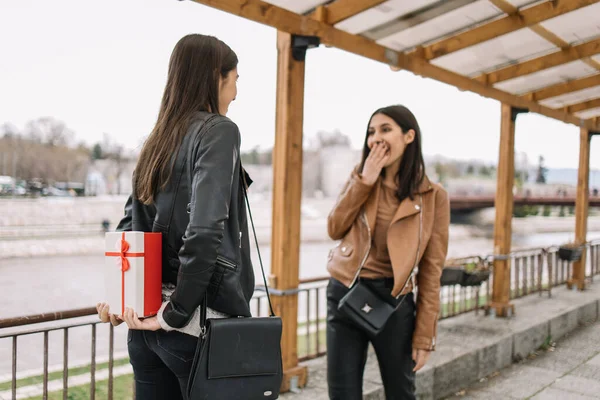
122 390
305 349
58 375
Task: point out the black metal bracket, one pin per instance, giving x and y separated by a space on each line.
302 43
514 111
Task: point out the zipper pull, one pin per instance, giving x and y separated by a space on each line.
240 239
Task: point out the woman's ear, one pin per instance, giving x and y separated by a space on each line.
409 136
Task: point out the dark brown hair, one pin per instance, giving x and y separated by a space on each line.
192 86
412 166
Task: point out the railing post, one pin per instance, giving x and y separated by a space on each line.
500 304
581 209
287 195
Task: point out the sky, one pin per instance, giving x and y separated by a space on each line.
101 68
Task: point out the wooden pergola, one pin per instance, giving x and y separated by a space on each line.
532 56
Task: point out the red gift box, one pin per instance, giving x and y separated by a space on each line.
133 272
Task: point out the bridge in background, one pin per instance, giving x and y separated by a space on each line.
473 203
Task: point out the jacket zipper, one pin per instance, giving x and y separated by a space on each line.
411 275
364 215
226 263
412 272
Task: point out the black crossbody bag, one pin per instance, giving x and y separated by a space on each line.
238 358
365 307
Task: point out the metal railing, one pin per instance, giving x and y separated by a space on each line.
532 271
65 328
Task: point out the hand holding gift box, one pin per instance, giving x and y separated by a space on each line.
133 272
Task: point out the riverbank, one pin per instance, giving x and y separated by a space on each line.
58 219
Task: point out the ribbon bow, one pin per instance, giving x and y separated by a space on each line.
123 254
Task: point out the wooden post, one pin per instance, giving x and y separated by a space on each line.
581 209
500 303
287 196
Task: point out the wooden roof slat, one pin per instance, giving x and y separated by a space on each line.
549 36
571 53
340 10
584 105
592 63
505 6
415 18
558 42
514 21
287 21
564 88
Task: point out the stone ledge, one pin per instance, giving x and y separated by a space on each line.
471 346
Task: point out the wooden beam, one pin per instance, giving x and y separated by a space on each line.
505 6
415 18
500 303
287 197
558 42
564 88
585 105
513 22
290 22
340 10
423 68
571 53
287 21
581 209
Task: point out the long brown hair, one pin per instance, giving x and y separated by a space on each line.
192 86
412 166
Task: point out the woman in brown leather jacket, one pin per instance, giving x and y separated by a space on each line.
392 224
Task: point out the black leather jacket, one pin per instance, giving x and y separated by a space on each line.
204 227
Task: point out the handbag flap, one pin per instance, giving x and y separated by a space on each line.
241 347
368 305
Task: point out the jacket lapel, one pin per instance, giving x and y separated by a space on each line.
410 207
406 208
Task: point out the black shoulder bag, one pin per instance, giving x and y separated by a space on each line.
238 358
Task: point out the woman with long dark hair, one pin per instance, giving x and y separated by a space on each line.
188 186
392 225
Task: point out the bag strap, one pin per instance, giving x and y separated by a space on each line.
262 268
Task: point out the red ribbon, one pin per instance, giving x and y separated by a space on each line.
125 265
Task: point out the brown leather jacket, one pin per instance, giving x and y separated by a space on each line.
418 236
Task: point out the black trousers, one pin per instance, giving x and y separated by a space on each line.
162 362
347 346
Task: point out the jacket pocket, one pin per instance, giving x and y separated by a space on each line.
223 266
346 249
226 263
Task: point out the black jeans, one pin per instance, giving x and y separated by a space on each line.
347 346
161 362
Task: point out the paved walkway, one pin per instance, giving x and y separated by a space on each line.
567 370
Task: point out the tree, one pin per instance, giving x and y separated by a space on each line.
49 131
117 156
335 138
541 171
97 153
8 130
486 171
441 171
470 169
